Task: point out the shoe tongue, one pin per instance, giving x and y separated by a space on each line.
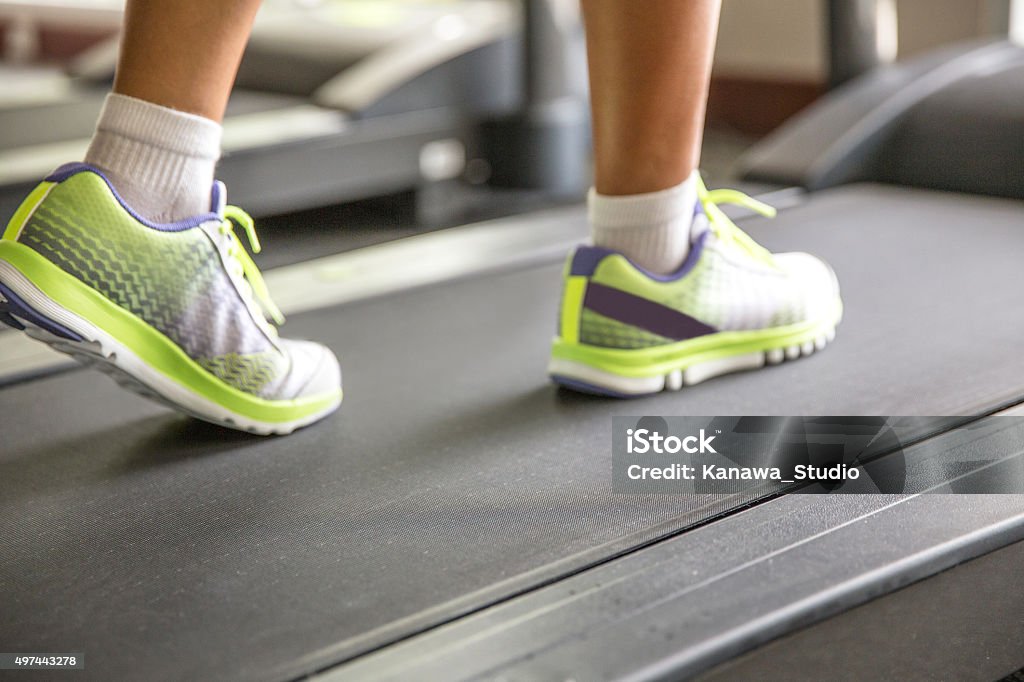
218 198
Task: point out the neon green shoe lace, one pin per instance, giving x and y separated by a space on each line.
724 227
246 269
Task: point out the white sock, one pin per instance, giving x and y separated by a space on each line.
160 161
652 230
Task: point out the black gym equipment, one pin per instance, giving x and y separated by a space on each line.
948 120
456 520
329 109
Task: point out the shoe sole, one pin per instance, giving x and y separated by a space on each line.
622 373
66 314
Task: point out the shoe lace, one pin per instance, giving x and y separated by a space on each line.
244 266
724 227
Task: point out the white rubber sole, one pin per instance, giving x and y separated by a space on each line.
585 378
101 351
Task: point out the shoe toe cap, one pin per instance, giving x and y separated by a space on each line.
315 369
815 283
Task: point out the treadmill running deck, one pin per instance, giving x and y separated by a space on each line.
455 475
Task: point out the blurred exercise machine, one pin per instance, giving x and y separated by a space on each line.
457 520
343 99
949 120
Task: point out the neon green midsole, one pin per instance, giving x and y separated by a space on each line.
150 345
660 360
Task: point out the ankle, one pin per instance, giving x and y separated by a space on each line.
160 160
652 229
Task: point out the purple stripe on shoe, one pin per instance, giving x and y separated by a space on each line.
15 307
70 169
639 312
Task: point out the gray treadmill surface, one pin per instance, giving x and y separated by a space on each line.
972 632
454 476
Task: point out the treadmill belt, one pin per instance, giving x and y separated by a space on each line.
455 475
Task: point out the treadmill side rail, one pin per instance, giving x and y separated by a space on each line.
365 83
682 606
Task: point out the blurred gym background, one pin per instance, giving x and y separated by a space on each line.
398 116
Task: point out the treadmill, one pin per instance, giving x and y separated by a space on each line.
457 519
346 99
948 120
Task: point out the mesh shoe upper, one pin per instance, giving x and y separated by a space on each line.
176 278
722 286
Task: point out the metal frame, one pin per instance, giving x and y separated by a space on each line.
855 31
360 86
933 629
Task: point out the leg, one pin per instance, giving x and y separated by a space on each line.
176 312
158 139
717 302
193 76
650 63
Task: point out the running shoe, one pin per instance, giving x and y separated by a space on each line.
731 306
175 312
